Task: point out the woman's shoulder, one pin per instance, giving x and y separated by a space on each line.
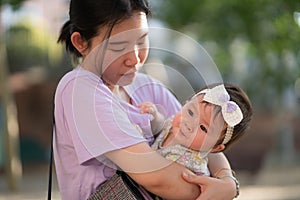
78 75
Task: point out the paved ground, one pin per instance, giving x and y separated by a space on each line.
281 183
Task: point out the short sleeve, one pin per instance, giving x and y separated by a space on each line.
97 120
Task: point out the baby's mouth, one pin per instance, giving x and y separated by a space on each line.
182 132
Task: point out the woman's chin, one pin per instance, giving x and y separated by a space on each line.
126 79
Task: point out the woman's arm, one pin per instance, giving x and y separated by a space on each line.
213 188
219 167
153 172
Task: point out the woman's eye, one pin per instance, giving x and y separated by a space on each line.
117 49
142 41
142 45
202 127
190 112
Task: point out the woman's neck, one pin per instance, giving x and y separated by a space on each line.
120 92
91 69
117 90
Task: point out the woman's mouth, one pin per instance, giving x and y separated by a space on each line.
129 75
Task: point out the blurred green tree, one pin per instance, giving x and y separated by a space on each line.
31 46
16 4
266 29
13 165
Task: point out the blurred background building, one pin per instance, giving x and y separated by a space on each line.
253 43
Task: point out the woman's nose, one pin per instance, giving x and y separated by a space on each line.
132 57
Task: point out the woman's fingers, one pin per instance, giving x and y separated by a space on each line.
211 188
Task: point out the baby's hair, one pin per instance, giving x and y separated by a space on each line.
238 95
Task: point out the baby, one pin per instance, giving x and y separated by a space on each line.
210 121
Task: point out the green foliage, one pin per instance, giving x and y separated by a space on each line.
30 46
267 28
14 3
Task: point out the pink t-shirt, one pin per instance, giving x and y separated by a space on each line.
91 121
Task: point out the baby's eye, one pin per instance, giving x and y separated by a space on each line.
190 112
203 128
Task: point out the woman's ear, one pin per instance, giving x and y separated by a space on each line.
218 148
78 42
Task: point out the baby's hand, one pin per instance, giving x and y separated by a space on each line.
158 118
148 107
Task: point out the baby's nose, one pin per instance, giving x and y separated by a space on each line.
188 126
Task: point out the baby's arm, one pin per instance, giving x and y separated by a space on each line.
158 118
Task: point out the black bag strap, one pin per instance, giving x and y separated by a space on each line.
51 160
133 186
50 169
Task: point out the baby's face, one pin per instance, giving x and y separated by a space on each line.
197 126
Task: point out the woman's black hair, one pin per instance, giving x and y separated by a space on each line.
87 16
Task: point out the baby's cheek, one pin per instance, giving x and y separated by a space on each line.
177 120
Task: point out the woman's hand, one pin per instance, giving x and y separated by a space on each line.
212 188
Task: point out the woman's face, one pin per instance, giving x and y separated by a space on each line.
196 126
126 50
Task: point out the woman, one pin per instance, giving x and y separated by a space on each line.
95 109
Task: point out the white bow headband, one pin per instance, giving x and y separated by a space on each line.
231 112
